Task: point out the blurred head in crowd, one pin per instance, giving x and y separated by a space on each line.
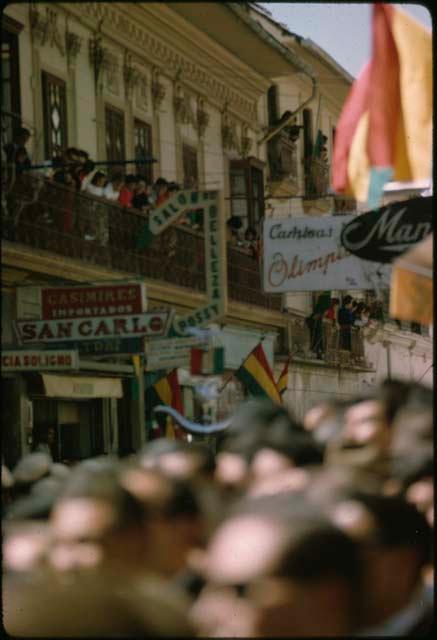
262 439
278 571
25 545
178 459
395 546
96 523
173 522
117 181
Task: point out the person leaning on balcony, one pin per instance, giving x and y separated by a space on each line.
161 192
97 184
113 187
141 198
233 226
16 152
127 191
346 320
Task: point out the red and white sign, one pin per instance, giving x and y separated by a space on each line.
39 360
128 326
93 301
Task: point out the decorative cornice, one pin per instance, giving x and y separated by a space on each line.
170 60
45 29
158 89
230 139
131 75
202 117
73 44
182 106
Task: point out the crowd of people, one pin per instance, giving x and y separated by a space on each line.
282 529
331 324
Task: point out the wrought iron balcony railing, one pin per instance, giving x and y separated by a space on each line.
49 216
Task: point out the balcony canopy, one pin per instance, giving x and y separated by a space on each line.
230 25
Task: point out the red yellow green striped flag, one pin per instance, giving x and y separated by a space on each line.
256 375
385 129
282 383
167 391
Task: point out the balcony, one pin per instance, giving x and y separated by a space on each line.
282 154
333 355
316 178
50 217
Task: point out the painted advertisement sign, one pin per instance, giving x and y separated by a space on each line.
386 233
39 360
46 331
306 254
107 346
216 288
93 301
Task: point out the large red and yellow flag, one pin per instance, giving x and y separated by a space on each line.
385 129
256 375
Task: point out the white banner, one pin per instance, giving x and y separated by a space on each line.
305 254
170 353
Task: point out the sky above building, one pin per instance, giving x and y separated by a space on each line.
343 30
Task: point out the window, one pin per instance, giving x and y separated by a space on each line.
114 128
308 133
247 191
10 79
272 104
143 149
55 114
189 164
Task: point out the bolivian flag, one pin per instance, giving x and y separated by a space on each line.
167 391
385 129
256 375
282 383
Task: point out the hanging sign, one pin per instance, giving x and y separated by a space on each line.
93 301
104 347
305 254
169 353
39 360
146 324
215 250
385 233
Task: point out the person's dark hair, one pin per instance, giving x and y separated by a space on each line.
250 230
393 394
399 523
97 176
161 182
117 177
316 550
131 179
234 223
347 299
257 423
22 131
88 166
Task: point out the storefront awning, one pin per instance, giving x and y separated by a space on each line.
411 296
81 387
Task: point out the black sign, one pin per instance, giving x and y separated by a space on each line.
384 234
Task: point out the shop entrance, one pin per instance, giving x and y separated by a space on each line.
78 424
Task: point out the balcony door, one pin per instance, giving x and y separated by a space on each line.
143 149
247 191
54 93
190 167
115 136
